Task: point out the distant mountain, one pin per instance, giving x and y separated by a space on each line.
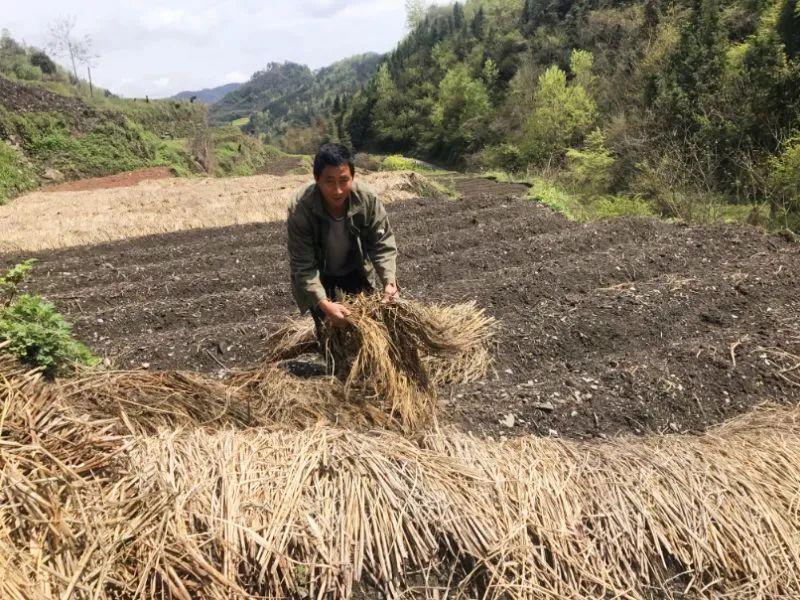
208 95
292 94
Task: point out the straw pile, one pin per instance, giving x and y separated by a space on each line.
227 513
390 360
396 355
175 486
284 515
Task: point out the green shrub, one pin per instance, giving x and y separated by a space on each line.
175 155
16 175
39 336
238 154
32 329
27 71
12 278
505 157
784 182
619 205
558 199
397 162
44 62
590 169
591 208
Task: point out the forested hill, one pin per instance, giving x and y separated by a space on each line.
696 96
289 95
208 95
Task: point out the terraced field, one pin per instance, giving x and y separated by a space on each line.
623 325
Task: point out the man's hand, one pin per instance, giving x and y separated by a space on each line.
390 292
335 312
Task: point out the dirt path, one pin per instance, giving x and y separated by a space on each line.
118 180
623 325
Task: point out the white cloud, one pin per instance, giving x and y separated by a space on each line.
370 9
162 17
166 20
161 47
235 77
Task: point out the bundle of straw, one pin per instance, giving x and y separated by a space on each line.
295 338
223 513
145 402
53 467
392 358
396 354
309 514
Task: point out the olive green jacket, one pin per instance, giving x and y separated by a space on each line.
308 224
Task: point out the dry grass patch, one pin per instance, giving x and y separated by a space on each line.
46 220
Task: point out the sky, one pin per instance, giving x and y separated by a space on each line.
162 48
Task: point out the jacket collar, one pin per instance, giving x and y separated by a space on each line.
353 203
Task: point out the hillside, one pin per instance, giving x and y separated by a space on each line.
686 105
46 137
208 95
56 128
290 96
270 89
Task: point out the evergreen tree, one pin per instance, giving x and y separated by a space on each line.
690 86
478 23
789 27
458 16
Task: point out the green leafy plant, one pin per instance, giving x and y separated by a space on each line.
784 182
588 208
396 162
12 278
33 330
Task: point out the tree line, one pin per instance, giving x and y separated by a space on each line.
678 101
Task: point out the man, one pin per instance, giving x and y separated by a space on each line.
339 239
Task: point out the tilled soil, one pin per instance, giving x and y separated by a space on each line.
287 165
628 325
19 97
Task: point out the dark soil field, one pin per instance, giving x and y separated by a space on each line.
617 326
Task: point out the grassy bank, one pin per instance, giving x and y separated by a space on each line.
104 135
583 206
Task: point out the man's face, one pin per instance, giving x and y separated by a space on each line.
335 184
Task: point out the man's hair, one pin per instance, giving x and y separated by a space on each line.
333 155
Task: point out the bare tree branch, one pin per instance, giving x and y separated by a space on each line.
64 42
